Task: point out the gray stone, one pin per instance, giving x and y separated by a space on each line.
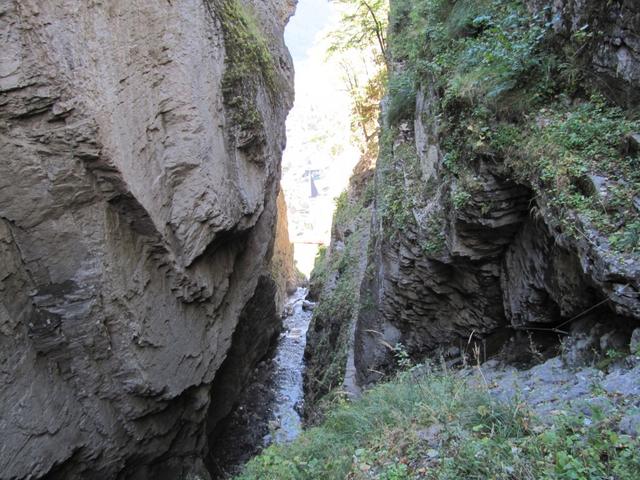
633 141
134 228
630 424
431 435
550 388
634 344
614 340
623 382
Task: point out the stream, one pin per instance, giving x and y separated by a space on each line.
269 410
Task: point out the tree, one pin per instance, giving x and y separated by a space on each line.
363 23
360 42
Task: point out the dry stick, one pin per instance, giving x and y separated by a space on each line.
476 352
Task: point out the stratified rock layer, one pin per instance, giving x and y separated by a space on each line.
133 230
466 270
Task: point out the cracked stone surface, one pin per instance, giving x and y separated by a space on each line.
133 231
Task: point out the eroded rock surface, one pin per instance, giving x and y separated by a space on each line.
466 254
134 228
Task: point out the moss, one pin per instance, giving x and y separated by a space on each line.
248 61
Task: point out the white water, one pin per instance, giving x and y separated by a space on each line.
288 374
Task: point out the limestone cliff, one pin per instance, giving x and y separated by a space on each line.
138 184
506 212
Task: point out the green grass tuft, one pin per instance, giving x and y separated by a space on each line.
437 426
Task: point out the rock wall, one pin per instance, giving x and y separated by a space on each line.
283 268
335 281
135 224
497 264
614 54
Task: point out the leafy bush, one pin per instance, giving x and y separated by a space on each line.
402 98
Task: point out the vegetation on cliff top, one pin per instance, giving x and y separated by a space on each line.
509 90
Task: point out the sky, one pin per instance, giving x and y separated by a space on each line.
311 17
319 137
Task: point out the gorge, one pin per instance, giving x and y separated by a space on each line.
483 271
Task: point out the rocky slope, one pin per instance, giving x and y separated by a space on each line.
506 201
141 160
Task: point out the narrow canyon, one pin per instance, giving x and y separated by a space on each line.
453 233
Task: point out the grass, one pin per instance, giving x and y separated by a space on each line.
435 425
564 148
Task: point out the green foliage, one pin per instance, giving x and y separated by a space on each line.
395 202
401 90
476 52
460 198
564 148
248 60
402 357
364 23
383 436
319 272
507 89
340 270
435 242
360 41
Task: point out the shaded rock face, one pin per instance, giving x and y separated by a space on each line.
427 298
246 351
482 269
614 54
134 230
339 272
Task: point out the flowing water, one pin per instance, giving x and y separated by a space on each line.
269 409
289 364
